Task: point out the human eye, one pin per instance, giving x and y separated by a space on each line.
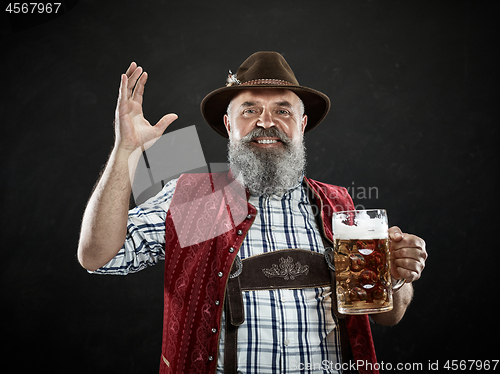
249 111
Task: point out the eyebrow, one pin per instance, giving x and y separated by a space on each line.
246 104
284 103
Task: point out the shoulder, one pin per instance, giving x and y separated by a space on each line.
159 202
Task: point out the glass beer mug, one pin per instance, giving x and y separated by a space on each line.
362 262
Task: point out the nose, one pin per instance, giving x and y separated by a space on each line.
266 120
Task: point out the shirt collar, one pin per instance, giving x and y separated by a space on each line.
286 194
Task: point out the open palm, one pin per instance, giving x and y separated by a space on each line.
132 130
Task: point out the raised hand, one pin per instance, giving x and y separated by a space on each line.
132 130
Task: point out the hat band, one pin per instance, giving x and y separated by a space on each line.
277 82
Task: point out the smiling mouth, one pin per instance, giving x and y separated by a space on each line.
266 141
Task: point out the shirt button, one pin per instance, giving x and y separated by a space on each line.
240 232
286 342
210 358
249 216
217 302
220 274
214 330
231 250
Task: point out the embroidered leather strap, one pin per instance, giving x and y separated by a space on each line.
287 268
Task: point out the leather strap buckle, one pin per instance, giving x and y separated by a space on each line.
330 260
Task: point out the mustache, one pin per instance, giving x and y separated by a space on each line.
271 132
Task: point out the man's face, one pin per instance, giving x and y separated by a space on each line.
266 149
266 108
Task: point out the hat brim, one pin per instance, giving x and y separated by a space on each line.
214 105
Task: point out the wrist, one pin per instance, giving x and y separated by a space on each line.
396 290
123 160
404 295
125 154
397 284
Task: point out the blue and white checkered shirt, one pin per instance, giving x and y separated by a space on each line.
285 331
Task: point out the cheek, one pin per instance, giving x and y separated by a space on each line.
238 133
241 129
295 131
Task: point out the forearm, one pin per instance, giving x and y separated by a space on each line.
104 224
401 300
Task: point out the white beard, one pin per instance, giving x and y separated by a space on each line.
267 171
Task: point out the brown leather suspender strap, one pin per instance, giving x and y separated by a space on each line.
230 341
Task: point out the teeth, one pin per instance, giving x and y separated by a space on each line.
266 141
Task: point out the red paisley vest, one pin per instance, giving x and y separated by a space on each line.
206 224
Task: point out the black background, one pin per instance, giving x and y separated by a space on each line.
414 114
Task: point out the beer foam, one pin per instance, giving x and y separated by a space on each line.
364 229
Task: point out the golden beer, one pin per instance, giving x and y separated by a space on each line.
363 275
362 262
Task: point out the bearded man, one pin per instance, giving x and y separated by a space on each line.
247 287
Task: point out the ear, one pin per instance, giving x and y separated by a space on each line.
227 124
304 123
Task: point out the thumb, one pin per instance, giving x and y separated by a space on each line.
160 127
165 121
395 234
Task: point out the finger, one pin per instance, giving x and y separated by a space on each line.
395 233
408 269
122 93
395 273
409 241
133 79
414 253
139 88
409 264
131 69
401 273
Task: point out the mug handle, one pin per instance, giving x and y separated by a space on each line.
398 284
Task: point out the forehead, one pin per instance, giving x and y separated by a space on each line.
266 96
